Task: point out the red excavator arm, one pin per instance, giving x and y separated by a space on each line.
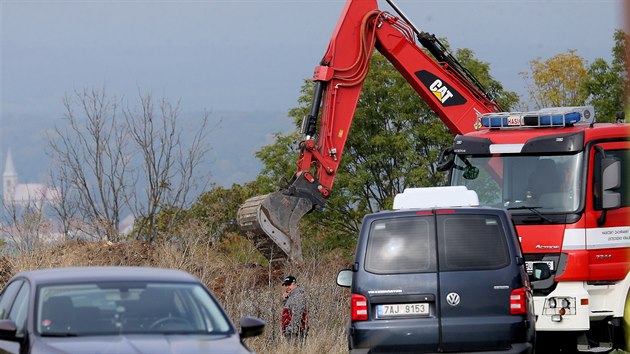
271 221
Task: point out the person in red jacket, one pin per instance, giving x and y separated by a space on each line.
294 311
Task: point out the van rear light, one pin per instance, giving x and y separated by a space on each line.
518 301
359 309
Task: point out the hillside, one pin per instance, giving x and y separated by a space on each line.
243 287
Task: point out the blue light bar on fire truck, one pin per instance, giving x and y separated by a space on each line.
546 117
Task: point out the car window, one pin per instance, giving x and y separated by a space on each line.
208 310
401 245
7 296
19 310
128 308
472 242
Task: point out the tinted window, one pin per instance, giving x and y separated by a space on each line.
471 242
401 245
6 299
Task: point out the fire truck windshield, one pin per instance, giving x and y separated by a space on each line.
547 184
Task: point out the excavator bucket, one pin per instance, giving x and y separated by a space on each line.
271 221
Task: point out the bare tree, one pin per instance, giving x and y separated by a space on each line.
139 163
90 153
64 207
168 162
26 225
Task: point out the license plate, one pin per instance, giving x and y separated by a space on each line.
394 310
529 266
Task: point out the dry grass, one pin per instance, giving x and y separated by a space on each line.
244 287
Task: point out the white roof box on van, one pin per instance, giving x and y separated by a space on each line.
432 197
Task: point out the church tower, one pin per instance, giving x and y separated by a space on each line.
9 179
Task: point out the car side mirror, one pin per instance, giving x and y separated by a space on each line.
471 172
446 160
344 278
611 179
251 327
8 329
540 271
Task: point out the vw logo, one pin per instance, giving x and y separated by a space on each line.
452 299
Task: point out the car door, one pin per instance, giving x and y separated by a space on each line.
400 283
7 299
607 241
476 278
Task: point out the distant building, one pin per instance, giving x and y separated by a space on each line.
16 194
20 196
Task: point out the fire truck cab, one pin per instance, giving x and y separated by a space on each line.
565 180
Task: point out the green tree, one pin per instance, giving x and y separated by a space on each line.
606 83
394 143
217 208
279 159
557 81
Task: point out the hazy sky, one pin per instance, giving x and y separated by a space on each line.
248 55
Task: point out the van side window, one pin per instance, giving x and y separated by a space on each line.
401 245
471 242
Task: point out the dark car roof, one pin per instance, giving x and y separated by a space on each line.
105 273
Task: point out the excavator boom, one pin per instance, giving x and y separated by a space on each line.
271 221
